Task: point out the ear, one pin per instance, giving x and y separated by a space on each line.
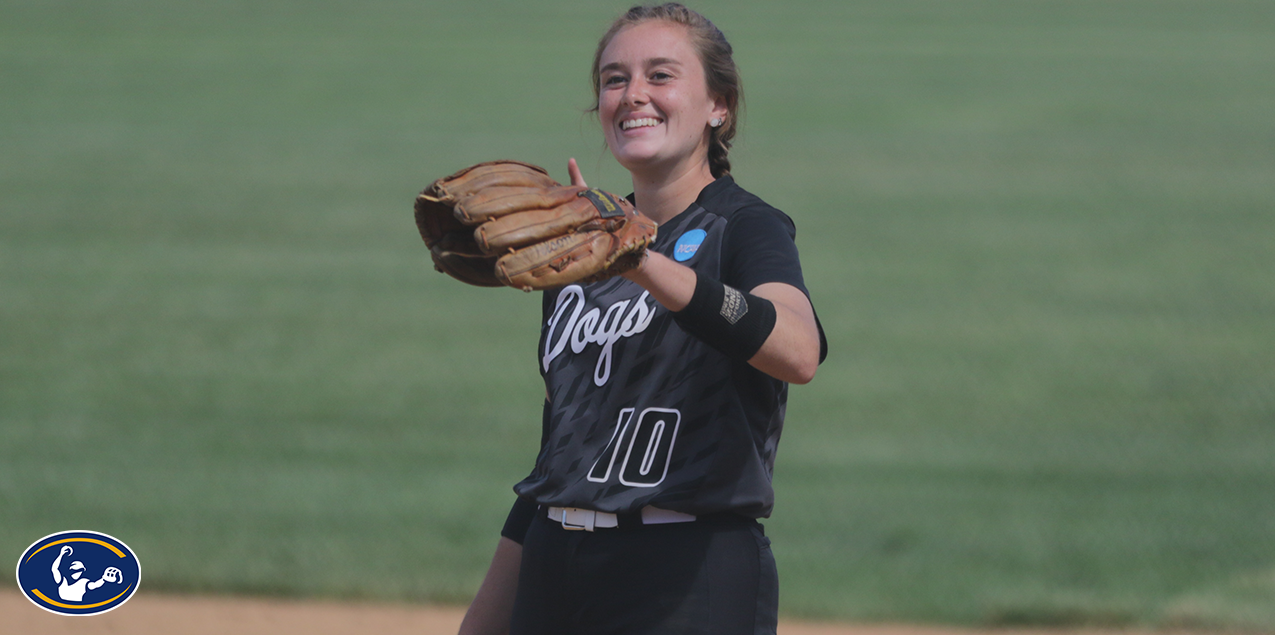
720 111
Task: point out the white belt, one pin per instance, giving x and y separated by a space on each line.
577 519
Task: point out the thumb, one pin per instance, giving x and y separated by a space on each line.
574 171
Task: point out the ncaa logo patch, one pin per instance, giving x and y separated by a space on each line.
78 573
688 244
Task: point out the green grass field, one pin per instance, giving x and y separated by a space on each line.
1039 235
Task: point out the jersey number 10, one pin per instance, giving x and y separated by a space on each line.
647 446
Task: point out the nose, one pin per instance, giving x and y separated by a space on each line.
635 93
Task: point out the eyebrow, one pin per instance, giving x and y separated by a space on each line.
653 61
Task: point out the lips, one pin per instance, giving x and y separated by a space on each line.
644 122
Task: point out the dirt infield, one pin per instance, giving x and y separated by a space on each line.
181 615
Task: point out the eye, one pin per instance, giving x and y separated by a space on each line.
661 76
613 80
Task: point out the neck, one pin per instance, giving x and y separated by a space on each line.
663 194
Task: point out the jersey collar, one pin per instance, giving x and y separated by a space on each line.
710 191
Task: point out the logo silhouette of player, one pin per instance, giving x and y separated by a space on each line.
72 587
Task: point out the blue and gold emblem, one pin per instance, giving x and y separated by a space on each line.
78 573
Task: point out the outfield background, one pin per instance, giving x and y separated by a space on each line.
1038 233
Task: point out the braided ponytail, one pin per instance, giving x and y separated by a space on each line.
719 143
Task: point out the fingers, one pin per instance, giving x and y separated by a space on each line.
525 228
574 170
495 202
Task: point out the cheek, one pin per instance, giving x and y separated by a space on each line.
607 104
690 106
608 133
691 113
606 114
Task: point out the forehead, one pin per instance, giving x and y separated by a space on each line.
653 39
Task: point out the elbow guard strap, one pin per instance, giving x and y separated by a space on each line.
732 321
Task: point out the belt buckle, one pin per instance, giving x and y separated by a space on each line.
576 519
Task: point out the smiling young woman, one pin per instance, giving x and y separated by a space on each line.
654 106
666 388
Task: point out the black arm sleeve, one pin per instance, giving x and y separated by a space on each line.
734 322
520 517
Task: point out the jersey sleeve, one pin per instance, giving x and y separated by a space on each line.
519 520
759 247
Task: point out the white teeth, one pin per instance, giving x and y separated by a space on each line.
638 123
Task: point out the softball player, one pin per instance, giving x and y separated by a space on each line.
666 388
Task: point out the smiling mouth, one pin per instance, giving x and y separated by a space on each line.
639 123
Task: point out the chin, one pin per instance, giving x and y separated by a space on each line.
633 161
635 150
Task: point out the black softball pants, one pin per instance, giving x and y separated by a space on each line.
710 576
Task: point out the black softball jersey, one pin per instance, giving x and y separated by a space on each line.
641 413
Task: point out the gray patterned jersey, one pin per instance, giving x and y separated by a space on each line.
641 413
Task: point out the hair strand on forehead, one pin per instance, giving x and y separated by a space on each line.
715 54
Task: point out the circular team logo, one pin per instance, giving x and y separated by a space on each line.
78 573
688 244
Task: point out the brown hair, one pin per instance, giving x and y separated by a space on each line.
715 54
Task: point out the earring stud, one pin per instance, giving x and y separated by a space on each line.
715 122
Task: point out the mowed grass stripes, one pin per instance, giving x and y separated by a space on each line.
1037 234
